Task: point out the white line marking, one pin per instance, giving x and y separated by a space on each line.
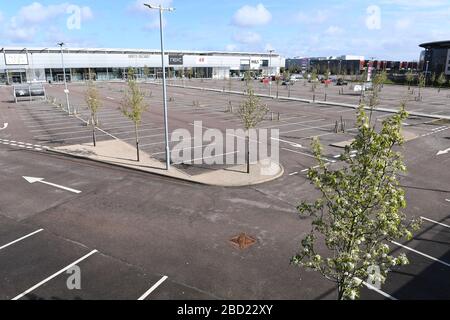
429 220
292 144
20 239
308 128
293 174
422 254
41 180
370 287
5 125
305 154
155 286
54 275
293 124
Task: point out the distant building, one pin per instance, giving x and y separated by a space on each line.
435 58
299 64
19 65
346 64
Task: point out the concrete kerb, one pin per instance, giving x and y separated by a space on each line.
189 178
329 103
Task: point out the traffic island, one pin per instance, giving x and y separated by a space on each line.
119 153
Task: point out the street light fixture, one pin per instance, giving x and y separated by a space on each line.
270 71
166 122
66 90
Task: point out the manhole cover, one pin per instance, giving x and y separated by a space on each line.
243 241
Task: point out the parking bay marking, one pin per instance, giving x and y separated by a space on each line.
422 254
20 239
41 180
435 222
153 288
54 275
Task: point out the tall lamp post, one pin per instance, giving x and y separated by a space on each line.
166 122
66 90
270 71
426 73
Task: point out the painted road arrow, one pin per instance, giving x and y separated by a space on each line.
5 125
440 153
41 180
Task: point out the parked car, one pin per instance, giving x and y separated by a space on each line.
296 77
341 82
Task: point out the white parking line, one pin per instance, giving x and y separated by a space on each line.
371 287
422 254
66 122
20 239
86 130
432 221
54 275
153 288
308 128
142 137
54 129
293 124
307 154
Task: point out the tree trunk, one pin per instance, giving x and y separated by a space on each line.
248 152
137 142
94 138
340 293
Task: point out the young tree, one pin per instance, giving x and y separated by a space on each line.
94 103
133 106
441 80
278 81
287 79
146 72
409 79
359 212
378 80
251 113
433 79
421 82
313 79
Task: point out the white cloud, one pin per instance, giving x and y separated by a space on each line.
231 47
268 47
248 37
249 16
34 19
334 31
319 16
86 13
138 7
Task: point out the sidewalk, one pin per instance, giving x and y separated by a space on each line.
119 153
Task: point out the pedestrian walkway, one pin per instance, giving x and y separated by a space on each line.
119 153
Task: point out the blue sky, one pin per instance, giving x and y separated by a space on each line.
384 29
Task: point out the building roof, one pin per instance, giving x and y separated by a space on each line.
133 51
436 44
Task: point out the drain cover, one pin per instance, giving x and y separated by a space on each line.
243 241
